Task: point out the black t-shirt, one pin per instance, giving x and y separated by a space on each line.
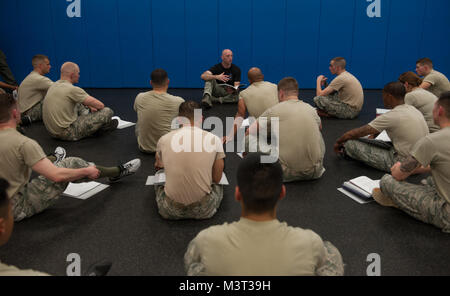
234 72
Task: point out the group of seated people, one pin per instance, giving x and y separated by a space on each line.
418 125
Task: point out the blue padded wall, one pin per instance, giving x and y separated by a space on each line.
117 43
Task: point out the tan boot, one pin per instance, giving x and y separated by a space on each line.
382 199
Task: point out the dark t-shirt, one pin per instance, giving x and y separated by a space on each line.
234 72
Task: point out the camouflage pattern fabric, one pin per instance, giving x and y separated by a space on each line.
335 107
35 112
419 201
203 209
41 193
290 175
333 265
218 94
86 125
376 157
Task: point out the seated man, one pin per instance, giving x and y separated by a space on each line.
65 112
301 146
433 80
259 244
418 97
344 97
20 155
257 98
9 82
193 169
405 125
155 111
6 228
224 73
429 202
33 89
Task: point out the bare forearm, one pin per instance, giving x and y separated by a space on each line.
208 76
357 133
68 175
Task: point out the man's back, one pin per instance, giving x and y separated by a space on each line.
155 113
301 145
405 125
439 83
424 102
250 248
17 155
58 111
259 97
188 155
350 89
32 90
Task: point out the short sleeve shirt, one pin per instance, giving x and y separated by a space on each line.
259 97
439 83
424 102
234 72
405 125
17 155
32 90
350 90
59 109
434 150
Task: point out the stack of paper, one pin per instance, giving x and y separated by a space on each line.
123 123
383 136
84 190
160 179
360 189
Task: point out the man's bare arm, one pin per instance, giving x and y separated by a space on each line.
93 103
354 134
425 85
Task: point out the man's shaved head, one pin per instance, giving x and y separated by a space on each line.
226 51
69 68
255 75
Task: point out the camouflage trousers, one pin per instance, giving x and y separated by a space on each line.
35 112
86 125
202 209
291 175
335 107
371 155
218 94
41 193
419 201
333 265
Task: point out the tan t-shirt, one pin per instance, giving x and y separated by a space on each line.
188 155
59 109
250 248
17 155
405 125
301 146
259 97
155 113
424 102
434 150
9 270
350 89
439 83
32 90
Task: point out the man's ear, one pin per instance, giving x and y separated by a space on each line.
441 111
283 192
237 194
2 226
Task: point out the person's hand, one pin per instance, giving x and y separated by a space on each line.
339 148
397 173
92 172
222 77
93 109
226 139
322 79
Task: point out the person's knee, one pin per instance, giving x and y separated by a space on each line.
108 112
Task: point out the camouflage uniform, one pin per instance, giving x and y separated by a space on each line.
376 157
420 201
41 193
86 125
333 265
202 209
35 112
335 107
218 94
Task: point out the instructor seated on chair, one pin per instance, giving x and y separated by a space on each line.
70 114
223 73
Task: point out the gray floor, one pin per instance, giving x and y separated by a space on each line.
122 223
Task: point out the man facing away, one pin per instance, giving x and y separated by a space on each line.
223 73
256 99
259 244
19 156
404 124
433 81
430 201
33 89
193 162
344 97
155 111
70 114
